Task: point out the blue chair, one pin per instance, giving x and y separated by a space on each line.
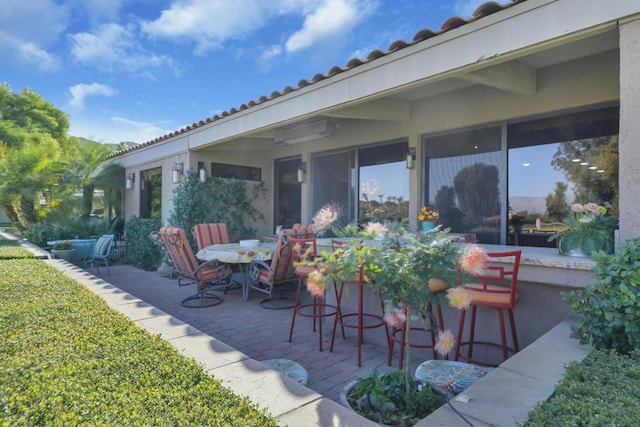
101 252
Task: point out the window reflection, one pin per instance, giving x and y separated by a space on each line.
463 175
151 193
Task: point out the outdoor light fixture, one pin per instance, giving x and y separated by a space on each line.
178 170
302 171
202 172
128 184
411 157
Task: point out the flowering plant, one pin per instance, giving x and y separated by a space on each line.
589 230
409 276
429 214
325 217
62 245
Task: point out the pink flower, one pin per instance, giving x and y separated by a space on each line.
316 284
577 207
474 259
592 207
445 342
459 298
395 318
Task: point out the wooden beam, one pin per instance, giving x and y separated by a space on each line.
512 76
381 109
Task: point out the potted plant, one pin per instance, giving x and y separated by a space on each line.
63 250
428 217
402 272
589 230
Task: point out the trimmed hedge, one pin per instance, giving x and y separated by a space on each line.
602 390
66 358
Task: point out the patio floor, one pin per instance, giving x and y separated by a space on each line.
263 334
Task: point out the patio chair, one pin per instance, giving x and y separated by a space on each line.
303 231
358 319
495 288
101 252
214 234
307 249
186 265
273 277
210 234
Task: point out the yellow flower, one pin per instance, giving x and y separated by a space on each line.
316 284
459 298
445 342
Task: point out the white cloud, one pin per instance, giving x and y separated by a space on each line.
115 47
27 28
211 23
332 19
115 129
26 53
465 8
80 91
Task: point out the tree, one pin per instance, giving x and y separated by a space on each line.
591 185
31 133
477 192
557 207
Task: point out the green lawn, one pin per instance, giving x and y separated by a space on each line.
66 358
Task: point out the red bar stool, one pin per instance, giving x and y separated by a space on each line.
303 249
363 320
494 288
398 333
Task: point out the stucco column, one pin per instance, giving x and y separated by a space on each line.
629 143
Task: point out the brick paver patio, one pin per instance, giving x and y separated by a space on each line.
263 334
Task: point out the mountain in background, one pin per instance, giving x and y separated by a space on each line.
529 204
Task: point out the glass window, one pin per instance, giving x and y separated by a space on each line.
547 165
151 193
369 183
464 181
288 192
555 162
384 184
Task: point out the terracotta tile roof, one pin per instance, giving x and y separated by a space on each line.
452 23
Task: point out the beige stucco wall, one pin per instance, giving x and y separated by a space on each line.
629 128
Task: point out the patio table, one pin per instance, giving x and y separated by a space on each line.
233 253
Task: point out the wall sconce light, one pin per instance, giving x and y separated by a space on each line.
128 184
178 170
411 157
202 172
302 171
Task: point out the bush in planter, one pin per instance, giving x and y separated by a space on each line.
384 398
609 308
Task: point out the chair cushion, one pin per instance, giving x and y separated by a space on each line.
102 245
501 295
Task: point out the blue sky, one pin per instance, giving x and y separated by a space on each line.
134 70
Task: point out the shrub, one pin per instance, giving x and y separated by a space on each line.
221 200
41 232
13 251
141 251
67 359
602 390
609 308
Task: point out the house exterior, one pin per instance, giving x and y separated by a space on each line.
487 116
525 74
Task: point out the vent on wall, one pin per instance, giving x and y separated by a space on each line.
305 132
